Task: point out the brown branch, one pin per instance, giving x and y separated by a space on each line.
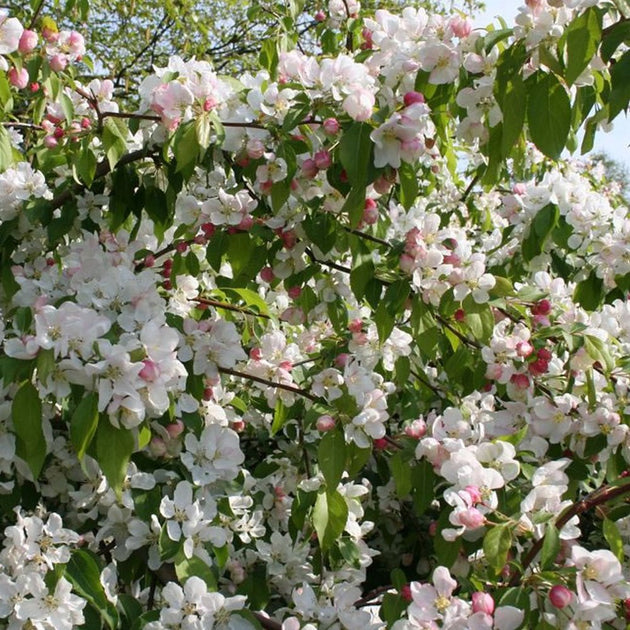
229 307
266 622
469 188
367 237
332 265
38 10
368 597
258 379
462 337
595 498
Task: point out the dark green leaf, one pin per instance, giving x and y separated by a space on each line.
583 36
513 109
589 293
84 423
329 518
620 82
113 451
187 567
114 140
496 545
408 185
613 538
84 572
550 548
331 455
355 152
26 413
548 113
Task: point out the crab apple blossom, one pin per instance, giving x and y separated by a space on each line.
339 342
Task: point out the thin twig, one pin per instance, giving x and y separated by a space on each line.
229 307
367 237
258 379
328 263
595 498
38 10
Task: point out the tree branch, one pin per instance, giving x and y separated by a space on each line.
258 379
595 498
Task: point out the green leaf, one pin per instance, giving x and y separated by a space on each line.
548 113
331 455
408 185
598 351
85 166
446 551
542 226
279 417
354 205
295 116
550 548
423 480
589 293
113 451
392 608
620 83
362 271
84 572
496 545
401 473
390 306
613 538
203 130
26 413
268 57
583 36
251 299
513 109
187 567
45 363
186 146
329 518
6 152
84 423
615 35
321 228
355 152
479 319
168 548
114 140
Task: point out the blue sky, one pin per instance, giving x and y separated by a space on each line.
614 143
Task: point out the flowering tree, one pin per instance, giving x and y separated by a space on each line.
338 344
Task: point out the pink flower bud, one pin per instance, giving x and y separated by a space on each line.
255 354
149 260
474 493
482 602
331 126
380 444
150 371
175 428
413 97
27 42
208 229
266 273
341 360
50 142
325 423
560 596
18 78
460 315
405 593
58 62
520 381
238 425
294 292
320 16
59 133
471 518
524 348
322 159
50 35
289 238
309 168
255 148
416 429
519 189
246 223
355 326
461 27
